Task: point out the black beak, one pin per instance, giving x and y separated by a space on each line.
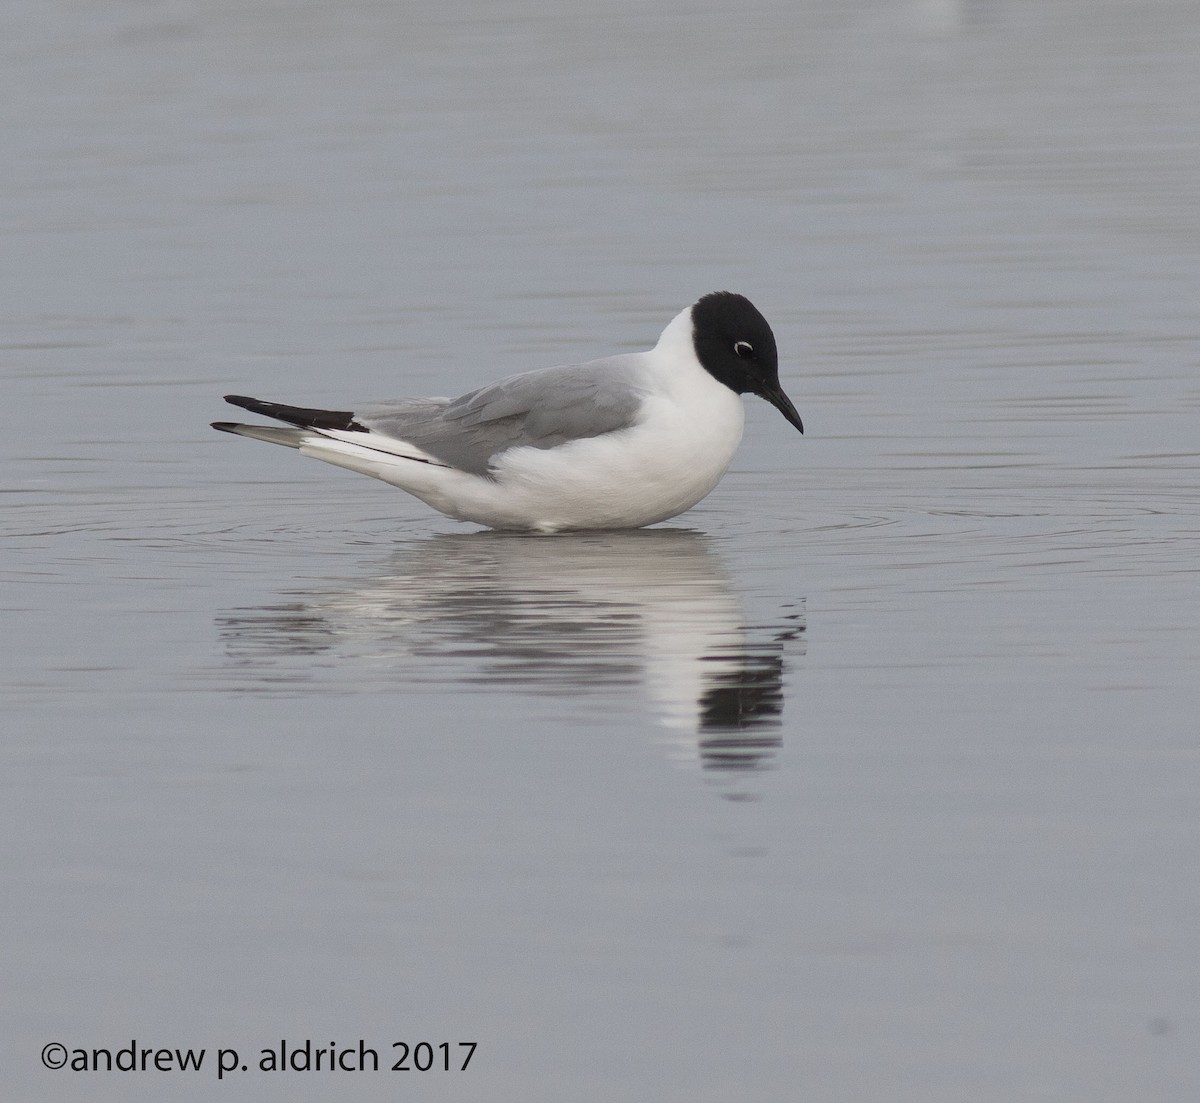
773 393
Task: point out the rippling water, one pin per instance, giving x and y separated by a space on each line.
871 777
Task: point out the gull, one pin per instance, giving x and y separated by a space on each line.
621 442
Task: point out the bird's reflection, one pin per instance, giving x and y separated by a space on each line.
572 615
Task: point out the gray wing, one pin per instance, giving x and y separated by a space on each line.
538 409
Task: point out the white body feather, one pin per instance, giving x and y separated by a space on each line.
681 443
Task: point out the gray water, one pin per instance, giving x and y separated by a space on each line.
873 777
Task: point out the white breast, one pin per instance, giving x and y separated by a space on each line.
682 443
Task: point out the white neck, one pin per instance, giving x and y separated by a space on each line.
678 338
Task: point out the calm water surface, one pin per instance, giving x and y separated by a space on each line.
872 777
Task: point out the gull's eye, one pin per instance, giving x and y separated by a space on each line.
743 349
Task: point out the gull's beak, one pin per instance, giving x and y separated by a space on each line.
773 393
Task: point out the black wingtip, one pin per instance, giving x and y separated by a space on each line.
301 416
225 426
